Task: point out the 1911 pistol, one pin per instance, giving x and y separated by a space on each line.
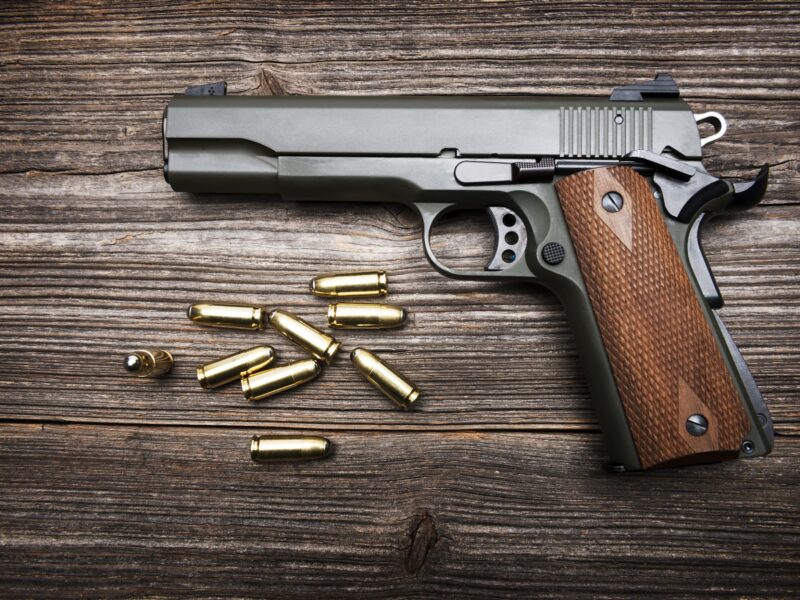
599 199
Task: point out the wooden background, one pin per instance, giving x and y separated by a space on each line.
117 487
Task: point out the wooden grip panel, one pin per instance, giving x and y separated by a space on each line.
663 354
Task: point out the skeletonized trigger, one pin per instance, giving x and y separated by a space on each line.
511 238
509 261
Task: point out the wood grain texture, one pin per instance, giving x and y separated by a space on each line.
666 362
143 511
492 487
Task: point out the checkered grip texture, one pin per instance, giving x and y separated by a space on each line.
664 357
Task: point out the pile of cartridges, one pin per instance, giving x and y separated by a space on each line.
253 367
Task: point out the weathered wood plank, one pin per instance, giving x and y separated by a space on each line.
120 511
560 37
98 255
92 266
112 72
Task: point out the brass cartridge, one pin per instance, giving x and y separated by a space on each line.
312 340
234 366
354 315
385 378
234 316
265 448
149 363
273 381
372 283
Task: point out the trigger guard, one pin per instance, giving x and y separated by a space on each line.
429 212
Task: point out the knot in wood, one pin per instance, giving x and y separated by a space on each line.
423 538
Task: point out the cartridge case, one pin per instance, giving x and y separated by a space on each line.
267 448
264 384
355 315
394 385
234 366
234 316
372 283
148 363
312 340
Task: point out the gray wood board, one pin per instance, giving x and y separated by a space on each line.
493 485
133 511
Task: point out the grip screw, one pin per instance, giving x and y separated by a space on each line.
612 202
748 447
696 425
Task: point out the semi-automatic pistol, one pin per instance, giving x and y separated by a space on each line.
600 199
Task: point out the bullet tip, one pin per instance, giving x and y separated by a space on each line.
133 363
327 448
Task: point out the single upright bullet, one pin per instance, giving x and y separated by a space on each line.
267 448
234 316
353 315
372 283
148 363
234 366
385 378
309 338
274 381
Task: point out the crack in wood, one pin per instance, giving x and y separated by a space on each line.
423 538
269 85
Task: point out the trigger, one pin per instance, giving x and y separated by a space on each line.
511 238
699 264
